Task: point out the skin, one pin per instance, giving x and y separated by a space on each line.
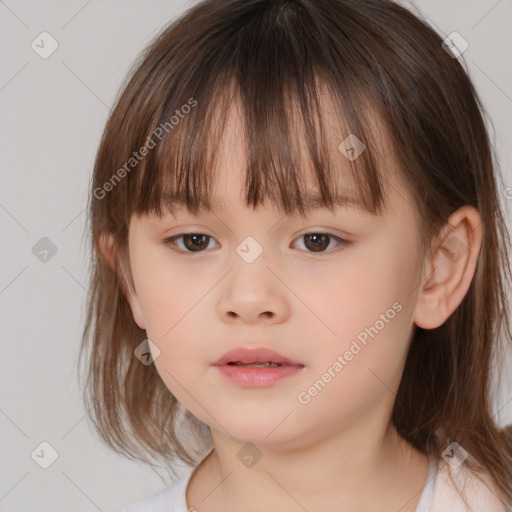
339 451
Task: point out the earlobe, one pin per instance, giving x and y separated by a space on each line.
108 250
450 269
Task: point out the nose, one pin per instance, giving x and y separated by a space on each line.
252 293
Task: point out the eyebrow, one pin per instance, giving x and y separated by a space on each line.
311 201
315 201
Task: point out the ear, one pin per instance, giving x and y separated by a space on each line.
450 269
108 250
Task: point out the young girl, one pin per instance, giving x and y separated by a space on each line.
299 266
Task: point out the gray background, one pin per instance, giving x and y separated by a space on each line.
53 113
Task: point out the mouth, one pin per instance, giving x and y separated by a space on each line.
255 358
256 368
255 365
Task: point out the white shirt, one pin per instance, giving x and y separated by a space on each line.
438 495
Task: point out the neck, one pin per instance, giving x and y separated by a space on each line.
350 470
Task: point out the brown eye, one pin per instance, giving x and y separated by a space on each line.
192 242
319 242
195 241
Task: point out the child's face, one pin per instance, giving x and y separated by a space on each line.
345 313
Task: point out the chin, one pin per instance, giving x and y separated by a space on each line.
260 429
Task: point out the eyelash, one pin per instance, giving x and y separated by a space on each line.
342 243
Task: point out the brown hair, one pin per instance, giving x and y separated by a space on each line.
376 59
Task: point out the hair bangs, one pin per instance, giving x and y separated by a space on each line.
309 138
306 112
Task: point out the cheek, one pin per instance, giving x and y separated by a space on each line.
358 291
174 303
165 293
370 308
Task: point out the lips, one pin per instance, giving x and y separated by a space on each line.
256 368
254 356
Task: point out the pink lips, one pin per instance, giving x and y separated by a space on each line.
255 355
254 376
